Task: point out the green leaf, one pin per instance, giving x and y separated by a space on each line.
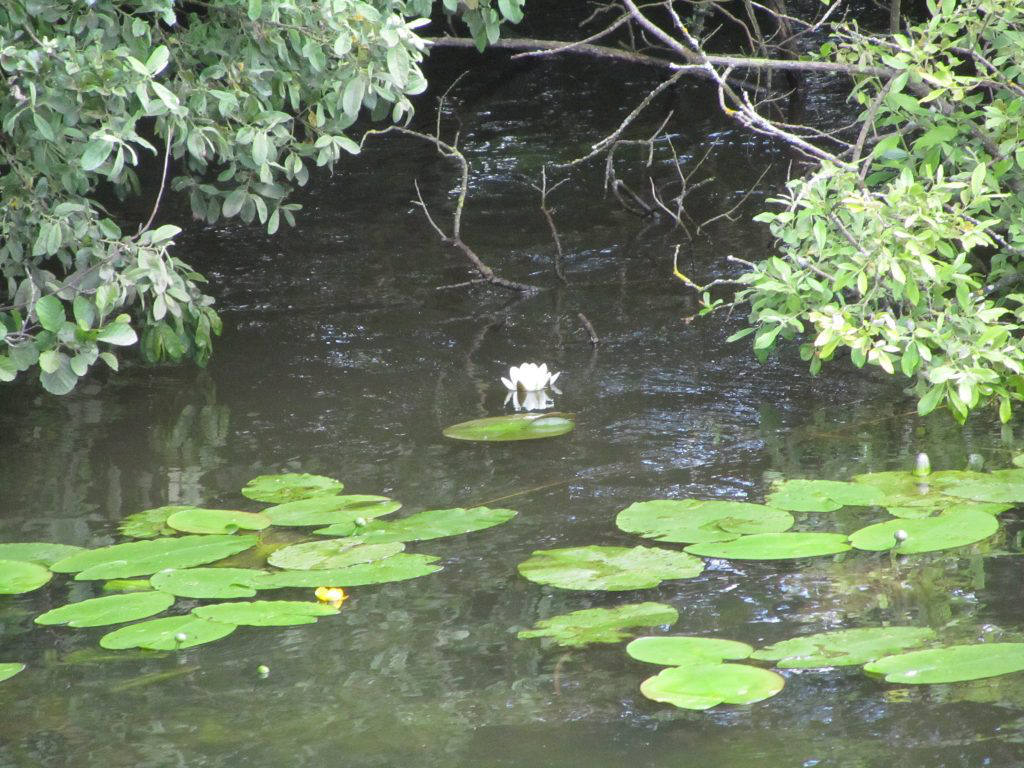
946 531
423 526
332 510
96 153
17 577
84 311
167 634
219 583
774 546
277 489
149 522
39 552
608 568
952 664
118 334
158 60
142 558
696 520
400 567
702 686
519 426
843 648
601 625
822 496
9 670
199 520
50 312
265 613
114 609
684 651
255 8
335 553
352 96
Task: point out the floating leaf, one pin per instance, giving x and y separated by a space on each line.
114 609
952 664
141 558
928 534
954 505
18 576
601 625
774 546
39 552
167 634
518 426
697 520
127 585
335 553
332 510
277 489
684 651
843 648
1000 487
223 521
150 522
398 567
608 568
702 686
265 613
823 496
905 490
429 524
221 583
9 669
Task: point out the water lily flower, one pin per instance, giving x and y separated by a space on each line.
529 401
333 596
529 377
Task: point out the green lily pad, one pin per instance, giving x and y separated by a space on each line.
114 609
928 534
843 648
952 664
142 558
216 521
601 625
684 651
334 553
127 585
702 686
170 633
823 495
518 426
400 567
332 510
697 520
774 546
18 576
429 524
38 552
278 489
954 505
150 523
221 583
905 490
9 669
265 613
1004 486
608 568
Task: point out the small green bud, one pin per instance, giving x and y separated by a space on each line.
923 465
263 670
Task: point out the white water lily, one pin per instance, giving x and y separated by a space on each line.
529 401
529 377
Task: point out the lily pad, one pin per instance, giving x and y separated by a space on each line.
954 505
170 633
9 669
277 489
332 510
127 585
429 524
1001 487
39 552
774 546
150 522
141 558
697 520
114 609
221 583
216 521
518 426
952 664
400 567
18 576
823 495
702 686
905 490
843 648
601 625
928 534
608 568
265 613
335 553
685 651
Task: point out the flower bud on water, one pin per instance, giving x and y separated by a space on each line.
180 637
923 465
900 536
263 670
360 521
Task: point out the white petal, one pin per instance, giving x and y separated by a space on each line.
554 377
508 384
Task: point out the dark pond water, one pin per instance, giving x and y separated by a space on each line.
341 357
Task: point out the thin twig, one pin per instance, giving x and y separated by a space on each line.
590 329
163 179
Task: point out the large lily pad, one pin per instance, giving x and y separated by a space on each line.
398 567
216 521
221 583
1004 486
601 625
843 648
141 558
774 546
265 613
170 633
952 664
684 651
332 510
277 489
953 505
608 568
9 669
39 552
928 534
18 576
150 523
429 524
702 686
905 490
334 553
518 426
115 609
823 495
697 520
